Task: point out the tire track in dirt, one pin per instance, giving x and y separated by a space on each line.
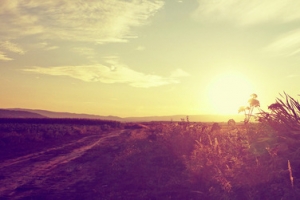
17 172
38 154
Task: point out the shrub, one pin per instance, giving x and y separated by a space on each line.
284 116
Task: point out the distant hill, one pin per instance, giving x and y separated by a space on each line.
52 114
19 114
192 118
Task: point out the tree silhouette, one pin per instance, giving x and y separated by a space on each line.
248 110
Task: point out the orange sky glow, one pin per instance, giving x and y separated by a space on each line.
147 57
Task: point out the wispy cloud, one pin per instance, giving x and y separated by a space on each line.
4 57
45 46
116 73
12 47
94 20
248 12
7 46
89 53
286 45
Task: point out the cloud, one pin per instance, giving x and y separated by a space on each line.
93 20
4 57
89 53
9 46
7 5
45 45
286 45
248 12
49 48
116 73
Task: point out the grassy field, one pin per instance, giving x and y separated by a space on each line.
19 136
181 160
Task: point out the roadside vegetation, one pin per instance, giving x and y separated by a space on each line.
254 159
258 158
14 131
19 136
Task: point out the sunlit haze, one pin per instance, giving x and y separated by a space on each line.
227 90
147 57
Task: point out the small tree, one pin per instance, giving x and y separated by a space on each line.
248 110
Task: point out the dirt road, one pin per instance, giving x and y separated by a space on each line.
52 172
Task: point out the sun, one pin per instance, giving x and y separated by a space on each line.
228 91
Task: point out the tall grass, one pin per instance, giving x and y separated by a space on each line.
244 161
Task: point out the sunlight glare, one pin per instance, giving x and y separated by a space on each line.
227 92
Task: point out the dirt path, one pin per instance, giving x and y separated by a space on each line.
20 177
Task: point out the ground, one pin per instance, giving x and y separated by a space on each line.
150 161
120 164
58 171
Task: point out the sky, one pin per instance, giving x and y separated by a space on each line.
132 58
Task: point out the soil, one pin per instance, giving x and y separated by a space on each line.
62 170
